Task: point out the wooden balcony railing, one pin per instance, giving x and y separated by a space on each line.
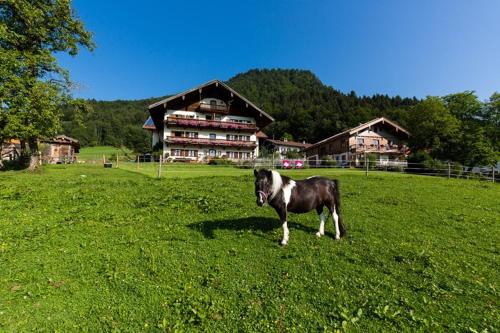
381 148
213 108
210 142
216 124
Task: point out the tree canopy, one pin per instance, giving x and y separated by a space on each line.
34 86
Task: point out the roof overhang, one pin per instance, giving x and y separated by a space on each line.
214 88
360 128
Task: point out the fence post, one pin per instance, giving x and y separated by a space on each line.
493 173
137 164
366 164
449 170
103 159
159 168
117 161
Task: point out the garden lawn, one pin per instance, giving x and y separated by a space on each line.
95 154
94 249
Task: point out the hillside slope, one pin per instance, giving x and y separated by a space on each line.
304 108
307 109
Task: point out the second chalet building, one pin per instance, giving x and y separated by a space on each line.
381 137
211 120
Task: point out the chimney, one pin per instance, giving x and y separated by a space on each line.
285 139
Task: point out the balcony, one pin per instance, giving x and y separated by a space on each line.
213 108
210 142
389 149
212 124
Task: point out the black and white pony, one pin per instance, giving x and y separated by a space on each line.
287 195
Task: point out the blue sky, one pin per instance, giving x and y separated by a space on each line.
411 48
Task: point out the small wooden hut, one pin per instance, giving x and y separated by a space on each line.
60 149
10 150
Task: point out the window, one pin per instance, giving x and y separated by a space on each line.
213 136
192 153
375 142
218 118
176 152
192 134
211 152
208 117
360 141
213 103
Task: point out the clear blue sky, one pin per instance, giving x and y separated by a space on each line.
411 48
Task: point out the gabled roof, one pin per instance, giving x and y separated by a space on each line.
149 124
290 143
361 127
261 135
217 83
63 139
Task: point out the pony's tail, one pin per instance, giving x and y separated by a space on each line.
336 197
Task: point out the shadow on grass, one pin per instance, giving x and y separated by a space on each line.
13 166
252 223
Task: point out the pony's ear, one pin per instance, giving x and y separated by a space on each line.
255 173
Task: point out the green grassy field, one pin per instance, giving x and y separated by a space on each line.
93 249
96 153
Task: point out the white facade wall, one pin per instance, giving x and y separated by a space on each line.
155 138
204 151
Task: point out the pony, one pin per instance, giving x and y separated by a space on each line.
299 196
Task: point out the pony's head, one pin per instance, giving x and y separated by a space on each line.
263 183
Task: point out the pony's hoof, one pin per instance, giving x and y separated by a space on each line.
337 237
284 242
318 234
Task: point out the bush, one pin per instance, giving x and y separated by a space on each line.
419 157
245 164
220 161
435 166
328 161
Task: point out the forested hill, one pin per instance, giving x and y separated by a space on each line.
112 123
306 109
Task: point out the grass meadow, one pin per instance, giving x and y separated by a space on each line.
83 248
95 154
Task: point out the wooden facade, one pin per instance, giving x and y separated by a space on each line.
60 149
381 136
211 120
11 150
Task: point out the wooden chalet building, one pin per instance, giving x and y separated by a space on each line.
60 149
10 150
284 146
382 137
211 120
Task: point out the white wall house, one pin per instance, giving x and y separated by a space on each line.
211 120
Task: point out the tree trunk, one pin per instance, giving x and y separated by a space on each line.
22 153
34 157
